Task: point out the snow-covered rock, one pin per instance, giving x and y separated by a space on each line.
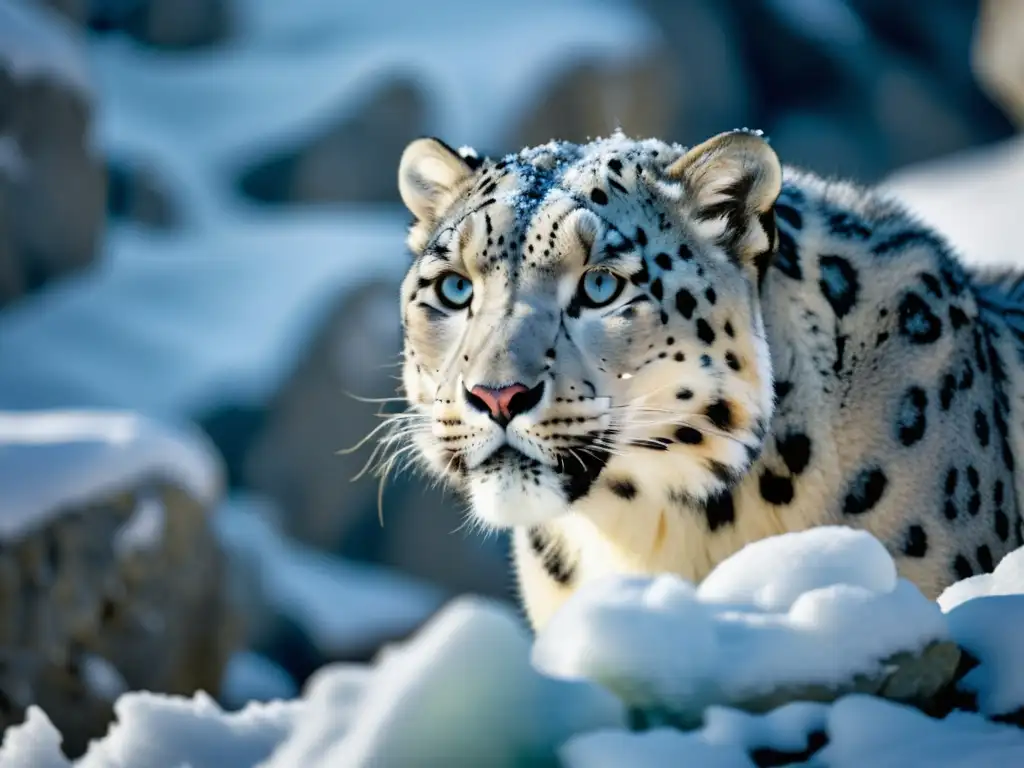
48 169
854 732
461 693
216 316
808 615
110 574
52 460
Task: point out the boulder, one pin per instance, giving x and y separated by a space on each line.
165 24
998 56
49 171
111 577
348 160
593 96
322 409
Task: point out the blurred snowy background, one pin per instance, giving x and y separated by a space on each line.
200 247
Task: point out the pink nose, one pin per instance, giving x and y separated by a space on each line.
498 400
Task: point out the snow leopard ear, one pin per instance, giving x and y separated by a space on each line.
733 180
428 173
734 169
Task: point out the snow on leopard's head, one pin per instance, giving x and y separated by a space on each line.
576 311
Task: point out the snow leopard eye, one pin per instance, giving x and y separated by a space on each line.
454 290
599 288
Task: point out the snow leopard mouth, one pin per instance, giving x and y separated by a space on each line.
577 468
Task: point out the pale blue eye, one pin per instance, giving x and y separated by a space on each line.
600 287
454 290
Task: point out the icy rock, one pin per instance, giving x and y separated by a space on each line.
802 616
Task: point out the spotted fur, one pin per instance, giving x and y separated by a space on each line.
784 353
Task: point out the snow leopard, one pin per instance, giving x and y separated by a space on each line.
638 357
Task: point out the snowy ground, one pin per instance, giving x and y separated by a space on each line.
469 689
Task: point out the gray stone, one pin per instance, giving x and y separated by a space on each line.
295 458
349 161
165 24
48 170
86 613
998 56
915 679
136 193
594 97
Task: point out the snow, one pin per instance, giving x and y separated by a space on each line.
102 678
36 42
990 629
818 558
464 689
222 309
33 744
249 676
215 318
158 731
461 693
761 621
474 92
1006 579
986 617
144 529
945 193
726 739
870 732
341 606
53 460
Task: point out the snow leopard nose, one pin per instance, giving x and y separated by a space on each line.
504 403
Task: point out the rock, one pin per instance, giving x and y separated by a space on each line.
136 193
295 458
110 574
906 678
593 97
345 161
168 24
711 87
998 56
48 171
